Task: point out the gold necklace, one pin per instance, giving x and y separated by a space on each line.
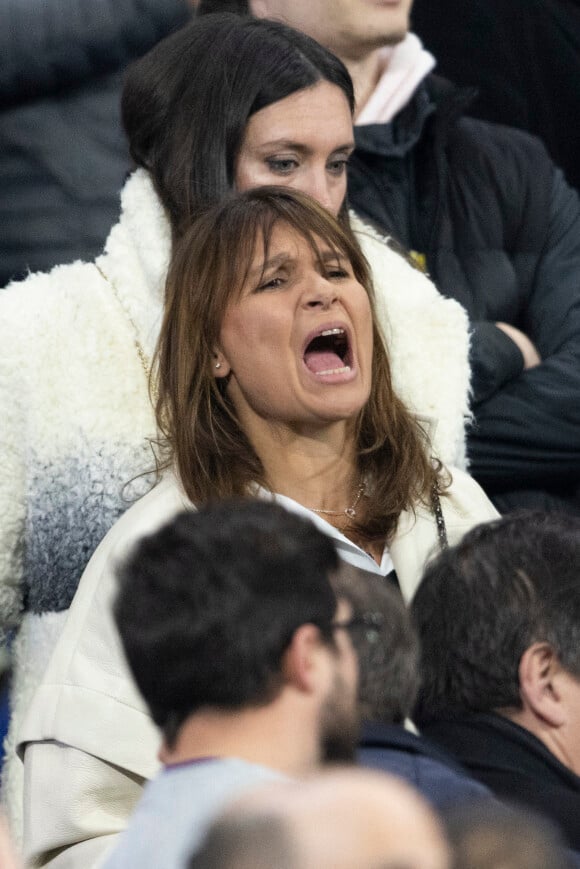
349 512
143 358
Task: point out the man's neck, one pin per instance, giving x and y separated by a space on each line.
365 73
241 735
555 739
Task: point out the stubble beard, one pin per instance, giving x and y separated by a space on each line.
339 724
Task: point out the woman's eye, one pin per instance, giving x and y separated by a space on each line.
282 166
337 273
338 167
271 284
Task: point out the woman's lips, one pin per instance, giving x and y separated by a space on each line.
328 354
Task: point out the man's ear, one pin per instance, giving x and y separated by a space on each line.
305 661
539 675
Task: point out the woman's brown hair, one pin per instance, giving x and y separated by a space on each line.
213 456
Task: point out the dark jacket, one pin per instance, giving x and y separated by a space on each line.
432 772
514 765
524 58
63 155
500 230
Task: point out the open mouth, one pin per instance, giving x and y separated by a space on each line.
329 352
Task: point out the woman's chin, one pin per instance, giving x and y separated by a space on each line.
336 410
341 399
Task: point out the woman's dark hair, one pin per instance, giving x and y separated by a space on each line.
187 102
213 456
207 7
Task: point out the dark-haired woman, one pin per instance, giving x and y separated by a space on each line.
274 382
271 106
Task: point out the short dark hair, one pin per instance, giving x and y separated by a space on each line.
208 605
388 658
482 603
209 7
187 102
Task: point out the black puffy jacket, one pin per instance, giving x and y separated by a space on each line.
524 58
500 231
63 156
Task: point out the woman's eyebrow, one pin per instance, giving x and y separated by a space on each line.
271 263
328 254
301 147
285 258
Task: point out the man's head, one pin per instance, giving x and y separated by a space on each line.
498 618
341 819
490 834
388 653
231 607
349 28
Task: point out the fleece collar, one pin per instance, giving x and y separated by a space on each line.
137 255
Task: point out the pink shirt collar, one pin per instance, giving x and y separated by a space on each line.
405 65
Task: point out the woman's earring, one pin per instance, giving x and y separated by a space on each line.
218 365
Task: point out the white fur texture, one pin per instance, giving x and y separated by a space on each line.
76 415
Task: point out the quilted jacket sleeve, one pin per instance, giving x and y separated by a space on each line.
495 360
49 44
528 432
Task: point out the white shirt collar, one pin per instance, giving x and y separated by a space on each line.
347 550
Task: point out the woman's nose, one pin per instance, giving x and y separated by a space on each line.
320 293
318 185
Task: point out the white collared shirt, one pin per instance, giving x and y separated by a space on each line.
347 550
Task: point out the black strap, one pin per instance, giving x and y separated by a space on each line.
439 518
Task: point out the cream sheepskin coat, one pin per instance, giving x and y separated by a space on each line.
77 419
89 729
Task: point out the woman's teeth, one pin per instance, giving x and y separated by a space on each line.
342 370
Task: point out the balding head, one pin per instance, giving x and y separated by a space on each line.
341 819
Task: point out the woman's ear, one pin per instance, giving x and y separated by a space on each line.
539 675
220 366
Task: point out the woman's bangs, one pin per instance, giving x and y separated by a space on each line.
248 242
